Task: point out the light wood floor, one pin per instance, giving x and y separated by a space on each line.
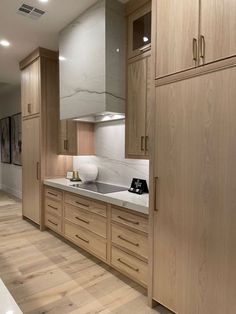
46 275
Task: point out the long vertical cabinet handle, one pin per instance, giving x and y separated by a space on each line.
195 50
37 170
146 143
155 193
65 144
142 143
202 47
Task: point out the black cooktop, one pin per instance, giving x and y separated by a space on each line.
98 187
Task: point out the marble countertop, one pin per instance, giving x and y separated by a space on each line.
138 203
7 303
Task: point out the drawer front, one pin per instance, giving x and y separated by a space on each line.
130 240
53 207
129 219
86 219
132 266
96 207
53 193
53 222
86 240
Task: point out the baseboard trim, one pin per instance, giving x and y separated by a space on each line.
9 190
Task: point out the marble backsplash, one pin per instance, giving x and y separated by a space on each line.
110 156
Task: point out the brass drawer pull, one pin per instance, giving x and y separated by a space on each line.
53 194
53 223
127 265
83 220
78 237
195 49
78 203
128 241
142 143
52 207
128 220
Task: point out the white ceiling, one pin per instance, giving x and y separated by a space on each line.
26 34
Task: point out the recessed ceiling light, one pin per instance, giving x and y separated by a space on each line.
4 43
43 0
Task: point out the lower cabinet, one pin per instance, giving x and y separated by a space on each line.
113 234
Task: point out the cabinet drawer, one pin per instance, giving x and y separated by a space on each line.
129 219
86 219
86 203
53 222
86 240
53 207
130 240
130 265
53 193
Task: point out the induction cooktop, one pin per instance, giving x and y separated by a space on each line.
98 187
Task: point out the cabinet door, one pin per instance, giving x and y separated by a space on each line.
68 137
176 35
148 106
136 108
31 169
195 222
30 89
139 31
218 26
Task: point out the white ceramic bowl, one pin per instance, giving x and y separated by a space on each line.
88 172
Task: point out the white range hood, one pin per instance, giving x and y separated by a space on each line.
92 64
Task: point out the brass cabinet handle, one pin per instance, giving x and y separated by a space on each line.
155 193
52 207
65 144
52 194
85 205
202 47
128 241
83 220
126 264
145 48
78 237
195 49
37 170
53 223
29 108
146 143
142 143
128 220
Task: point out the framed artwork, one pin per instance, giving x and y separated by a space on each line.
5 132
16 139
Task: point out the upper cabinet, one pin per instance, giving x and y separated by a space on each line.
176 35
139 31
76 138
30 97
191 33
218 29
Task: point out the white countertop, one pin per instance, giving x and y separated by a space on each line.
139 203
7 303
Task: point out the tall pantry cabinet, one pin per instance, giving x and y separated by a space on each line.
193 161
40 126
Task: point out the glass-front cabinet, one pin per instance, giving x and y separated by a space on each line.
139 31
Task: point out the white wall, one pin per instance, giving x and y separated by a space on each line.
110 156
10 175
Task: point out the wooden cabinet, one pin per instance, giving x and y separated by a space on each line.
195 220
117 236
30 89
190 33
76 138
139 31
40 111
218 28
138 106
31 169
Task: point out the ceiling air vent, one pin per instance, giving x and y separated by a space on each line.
32 12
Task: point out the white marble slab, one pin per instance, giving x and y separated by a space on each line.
7 303
138 203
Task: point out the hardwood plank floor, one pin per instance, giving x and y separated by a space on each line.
46 275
